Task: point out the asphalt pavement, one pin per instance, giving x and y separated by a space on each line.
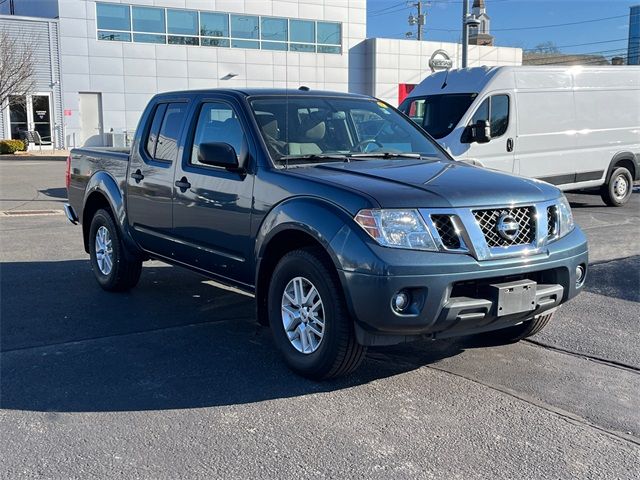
175 379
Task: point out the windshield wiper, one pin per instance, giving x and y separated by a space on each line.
385 155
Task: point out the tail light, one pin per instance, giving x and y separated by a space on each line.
67 177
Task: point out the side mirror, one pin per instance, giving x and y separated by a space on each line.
481 131
218 154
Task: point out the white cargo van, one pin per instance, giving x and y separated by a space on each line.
575 127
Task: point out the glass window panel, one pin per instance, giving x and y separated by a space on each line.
482 113
176 40
114 36
499 115
182 22
275 46
214 24
167 147
302 31
274 29
155 127
217 122
146 19
245 26
149 38
113 17
214 42
329 49
329 33
299 47
245 44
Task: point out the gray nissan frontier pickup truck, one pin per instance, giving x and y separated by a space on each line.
345 220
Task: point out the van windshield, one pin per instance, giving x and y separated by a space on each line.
312 129
438 114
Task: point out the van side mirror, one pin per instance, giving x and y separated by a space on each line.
218 154
481 131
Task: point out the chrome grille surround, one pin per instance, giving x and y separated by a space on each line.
472 238
523 216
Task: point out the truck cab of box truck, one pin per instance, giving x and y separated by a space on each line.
575 127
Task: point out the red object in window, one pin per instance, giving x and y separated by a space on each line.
404 89
68 174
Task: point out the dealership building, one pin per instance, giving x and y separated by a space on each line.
98 63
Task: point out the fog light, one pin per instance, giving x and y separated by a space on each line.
580 271
400 301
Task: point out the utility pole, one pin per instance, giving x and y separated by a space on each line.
465 32
419 20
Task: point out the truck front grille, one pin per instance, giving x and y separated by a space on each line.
446 230
488 222
552 221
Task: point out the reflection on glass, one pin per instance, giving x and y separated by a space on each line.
178 40
329 33
42 116
18 116
329 49
245 44
147 19
302 31
282 46
148 38
214 42
113 17
300 47
214 24
182 22
274 29
114 36
245 26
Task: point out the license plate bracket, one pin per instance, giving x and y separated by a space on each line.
514 297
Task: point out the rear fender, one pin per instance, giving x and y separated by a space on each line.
106 185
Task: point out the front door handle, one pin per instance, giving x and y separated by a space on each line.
183 184
137 176
509 144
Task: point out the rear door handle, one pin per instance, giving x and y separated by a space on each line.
183 184
137 176
509 144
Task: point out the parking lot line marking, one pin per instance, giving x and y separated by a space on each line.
30 213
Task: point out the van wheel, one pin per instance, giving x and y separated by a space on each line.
618 191
113 268
517 332
308 317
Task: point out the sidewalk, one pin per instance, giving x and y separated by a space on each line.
37 155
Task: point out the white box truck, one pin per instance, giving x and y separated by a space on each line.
575 127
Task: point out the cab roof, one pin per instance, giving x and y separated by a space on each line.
276 92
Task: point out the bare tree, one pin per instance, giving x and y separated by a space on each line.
546 48
17 70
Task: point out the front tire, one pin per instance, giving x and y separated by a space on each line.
517 332
618 190
113 268
309 319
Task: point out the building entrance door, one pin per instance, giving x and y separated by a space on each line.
30 112
91 120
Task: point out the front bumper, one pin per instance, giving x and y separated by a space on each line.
448 290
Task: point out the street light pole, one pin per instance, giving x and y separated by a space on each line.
465 32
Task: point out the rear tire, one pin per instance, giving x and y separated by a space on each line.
517 332
618 190
115 269
336 352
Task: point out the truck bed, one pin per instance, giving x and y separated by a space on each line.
87 162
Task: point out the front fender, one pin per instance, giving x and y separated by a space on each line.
315 216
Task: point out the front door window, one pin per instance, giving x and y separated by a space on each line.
41 116
30 113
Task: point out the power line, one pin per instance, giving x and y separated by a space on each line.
389 7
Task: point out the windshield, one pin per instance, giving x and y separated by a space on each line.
438 114
335 128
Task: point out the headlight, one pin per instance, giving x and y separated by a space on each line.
396 228
565 217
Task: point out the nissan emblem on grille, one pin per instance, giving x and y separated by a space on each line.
507 227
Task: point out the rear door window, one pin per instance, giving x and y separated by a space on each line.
152 139
169 135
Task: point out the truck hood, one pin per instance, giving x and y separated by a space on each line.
426 183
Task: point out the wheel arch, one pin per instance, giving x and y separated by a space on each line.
624 159
103 192
294 224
